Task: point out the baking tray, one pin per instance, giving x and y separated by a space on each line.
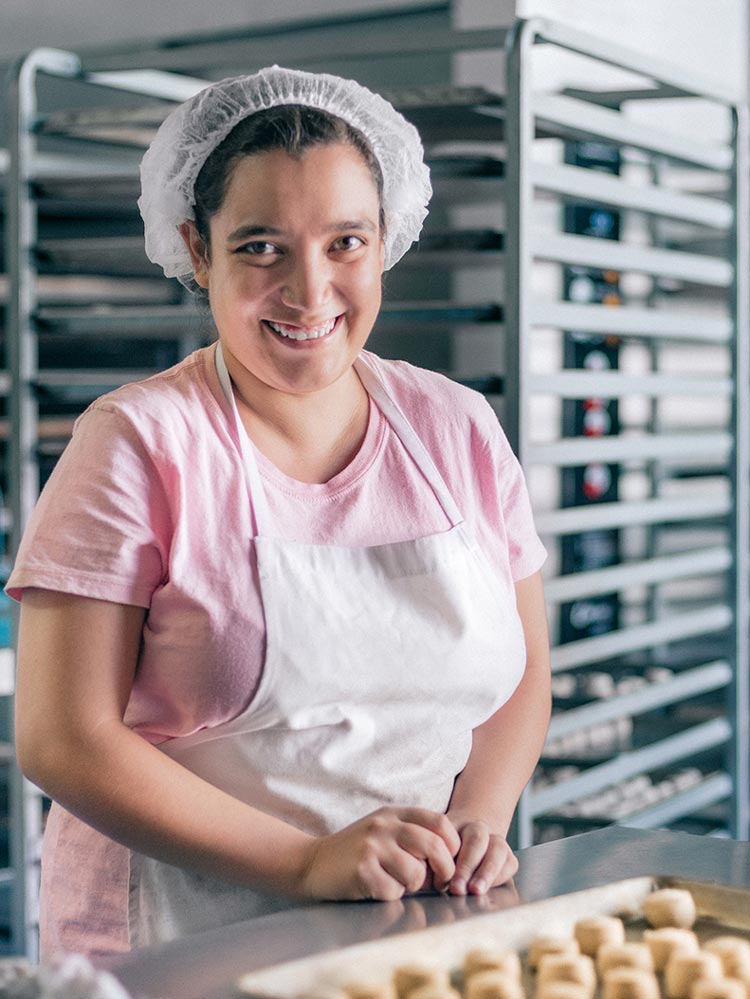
721 909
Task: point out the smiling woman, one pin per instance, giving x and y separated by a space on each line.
286 593
294 289
294 286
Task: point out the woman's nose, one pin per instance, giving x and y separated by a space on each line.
307 283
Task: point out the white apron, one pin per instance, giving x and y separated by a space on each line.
379 664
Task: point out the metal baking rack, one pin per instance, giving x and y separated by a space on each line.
681 515
60 199
87 312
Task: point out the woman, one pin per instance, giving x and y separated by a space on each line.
282 633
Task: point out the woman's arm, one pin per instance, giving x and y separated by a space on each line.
76 663
504 752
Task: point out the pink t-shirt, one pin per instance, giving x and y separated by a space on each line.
149 506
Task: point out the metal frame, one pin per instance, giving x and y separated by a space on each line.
727 448
319 42
740 693
25 165
21 231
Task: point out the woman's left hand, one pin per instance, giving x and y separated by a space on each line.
484 859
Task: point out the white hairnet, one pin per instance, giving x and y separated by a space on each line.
193 130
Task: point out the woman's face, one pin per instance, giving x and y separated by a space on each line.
294 267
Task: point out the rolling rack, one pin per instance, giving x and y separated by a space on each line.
657 703
55 194
650 726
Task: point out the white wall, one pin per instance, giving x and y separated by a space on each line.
709 38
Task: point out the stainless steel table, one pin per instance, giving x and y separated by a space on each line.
204 966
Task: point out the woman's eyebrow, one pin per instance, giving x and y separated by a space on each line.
352 224
253 231
250 231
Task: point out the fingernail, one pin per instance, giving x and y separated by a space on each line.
459 887
480 887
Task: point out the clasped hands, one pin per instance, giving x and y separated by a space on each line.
398 851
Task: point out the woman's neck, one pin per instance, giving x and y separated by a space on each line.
309 436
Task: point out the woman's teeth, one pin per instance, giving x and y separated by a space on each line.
297 333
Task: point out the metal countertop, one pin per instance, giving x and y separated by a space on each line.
205 966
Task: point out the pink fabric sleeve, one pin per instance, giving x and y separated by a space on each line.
526 553
100 528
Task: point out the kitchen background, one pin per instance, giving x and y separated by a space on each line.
584 265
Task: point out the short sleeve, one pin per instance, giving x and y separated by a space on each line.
101 526
526 553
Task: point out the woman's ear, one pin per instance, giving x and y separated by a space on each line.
198 252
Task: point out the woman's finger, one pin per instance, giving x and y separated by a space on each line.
409 871
429 847
498 865
376 882
475 839
436 822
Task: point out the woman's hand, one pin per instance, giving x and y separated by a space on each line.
484 859
505 749
387 854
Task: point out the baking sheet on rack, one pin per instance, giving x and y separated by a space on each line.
721 908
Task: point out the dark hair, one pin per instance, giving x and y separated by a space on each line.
293 128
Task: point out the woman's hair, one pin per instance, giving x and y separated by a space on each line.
293 128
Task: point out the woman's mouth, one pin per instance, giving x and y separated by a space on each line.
290 332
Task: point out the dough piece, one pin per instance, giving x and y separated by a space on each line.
493 985
409 977
684 969
624 955
734 954
670 907
724 988
370 990
576 968
325 992
665 941
591 933
434 991
489 959
551 945
629 983
562 990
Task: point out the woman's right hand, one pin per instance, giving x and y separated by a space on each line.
387 854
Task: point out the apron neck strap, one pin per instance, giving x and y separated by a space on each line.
408 437
261 513
390 410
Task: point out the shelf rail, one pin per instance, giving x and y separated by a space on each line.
658 755
689 683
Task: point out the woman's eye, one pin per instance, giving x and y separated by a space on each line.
258 248
348 243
